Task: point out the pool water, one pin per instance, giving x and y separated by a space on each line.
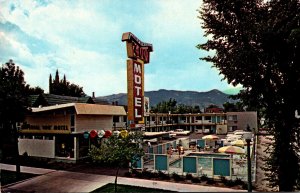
209 155
176 163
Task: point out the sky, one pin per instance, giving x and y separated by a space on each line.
82 39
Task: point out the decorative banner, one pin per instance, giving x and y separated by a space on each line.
86 135
107 134
101 133
93 134
116 133
124 133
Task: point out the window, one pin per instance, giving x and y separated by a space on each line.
199 118
115 119
147 118
28 136
232 118
48 137
72 119
207 118
232 128
64 146
38 137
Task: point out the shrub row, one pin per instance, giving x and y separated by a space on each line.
163 176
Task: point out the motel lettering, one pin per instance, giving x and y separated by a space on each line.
138 95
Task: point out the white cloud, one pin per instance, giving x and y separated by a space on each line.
62 22
33 66
84 41
176 20
102 73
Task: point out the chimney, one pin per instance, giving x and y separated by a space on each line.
93 94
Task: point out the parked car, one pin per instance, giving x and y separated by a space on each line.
180 132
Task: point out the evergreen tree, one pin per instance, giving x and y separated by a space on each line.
64 87
256 43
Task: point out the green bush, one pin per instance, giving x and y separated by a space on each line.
223 179
177 177
128 174
196 180
238 181
210 181
245 186
163 176
137 173
204 177
147 174
230 183
189 177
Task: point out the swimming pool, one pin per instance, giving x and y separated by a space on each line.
204 160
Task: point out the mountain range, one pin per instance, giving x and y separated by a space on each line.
191 98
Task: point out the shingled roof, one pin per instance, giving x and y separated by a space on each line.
52 99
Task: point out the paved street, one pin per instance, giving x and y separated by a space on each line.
65 181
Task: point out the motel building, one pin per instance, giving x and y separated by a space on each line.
66 131
207 123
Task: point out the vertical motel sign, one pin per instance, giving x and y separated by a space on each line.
138 53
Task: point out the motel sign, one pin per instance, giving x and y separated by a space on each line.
138 53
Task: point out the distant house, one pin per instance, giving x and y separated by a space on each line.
214 110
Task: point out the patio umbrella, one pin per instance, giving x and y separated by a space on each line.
239 142
210 137
231 149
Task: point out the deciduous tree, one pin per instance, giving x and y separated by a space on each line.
119 151
256 43
13 104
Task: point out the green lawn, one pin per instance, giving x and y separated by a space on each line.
8 177
126 188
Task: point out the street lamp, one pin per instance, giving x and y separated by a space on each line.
248 136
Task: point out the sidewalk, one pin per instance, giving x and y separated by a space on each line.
64 181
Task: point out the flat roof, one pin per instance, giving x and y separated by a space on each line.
152 134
